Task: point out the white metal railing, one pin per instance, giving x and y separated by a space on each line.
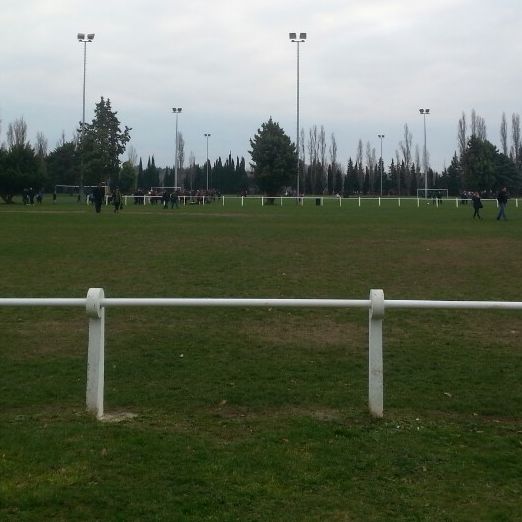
319 200
95 304
185 200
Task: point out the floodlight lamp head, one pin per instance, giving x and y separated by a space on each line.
81 36
90 37
427 111
421 111
292 36
302 36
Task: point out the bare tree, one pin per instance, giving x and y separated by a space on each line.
181 150
481 128
359 164
405 146
132 155
322 157
313 155
371 162
333 162
359 156
17 133
478 126
515 138
333 149
503 134
62 141
461 135
41 145
417 157
191 174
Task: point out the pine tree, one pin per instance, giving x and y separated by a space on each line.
273 158
141 177
102 143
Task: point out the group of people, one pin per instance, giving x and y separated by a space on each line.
28 196
173 198
98 194
502 198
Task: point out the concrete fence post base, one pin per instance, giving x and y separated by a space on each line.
96 351
375 362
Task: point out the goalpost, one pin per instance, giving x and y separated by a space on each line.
73 189
432 193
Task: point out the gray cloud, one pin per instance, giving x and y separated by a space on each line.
366 68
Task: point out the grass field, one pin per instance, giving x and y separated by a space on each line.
258 414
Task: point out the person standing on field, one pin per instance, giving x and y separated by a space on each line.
502 199
116 200
97 195
477 205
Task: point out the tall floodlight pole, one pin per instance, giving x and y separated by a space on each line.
84 39
301 39
207 135
424 112
381 137
176 111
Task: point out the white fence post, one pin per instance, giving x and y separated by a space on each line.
375 365
96 351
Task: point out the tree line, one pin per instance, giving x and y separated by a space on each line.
94 154
477 164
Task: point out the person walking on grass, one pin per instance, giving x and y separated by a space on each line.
98 194
502 199
477 205
116 200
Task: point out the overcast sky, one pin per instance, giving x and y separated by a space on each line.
366 68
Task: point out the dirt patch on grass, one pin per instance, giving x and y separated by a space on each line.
48 337
226 411
313 331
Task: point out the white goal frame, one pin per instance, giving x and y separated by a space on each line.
432 193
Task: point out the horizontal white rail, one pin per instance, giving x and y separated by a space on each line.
95 304
147 199
461 305
389 304
235 302
42 301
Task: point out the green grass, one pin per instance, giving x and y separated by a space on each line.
257 414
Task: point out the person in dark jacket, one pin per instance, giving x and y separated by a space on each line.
477 205
117 200
502 199
97 196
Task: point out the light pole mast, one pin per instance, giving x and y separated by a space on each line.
176 111
207 135
381 137
424 112
85 39
301 39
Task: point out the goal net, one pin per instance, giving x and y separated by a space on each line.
432 193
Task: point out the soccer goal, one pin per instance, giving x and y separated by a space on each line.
432 193
74 189
158 190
